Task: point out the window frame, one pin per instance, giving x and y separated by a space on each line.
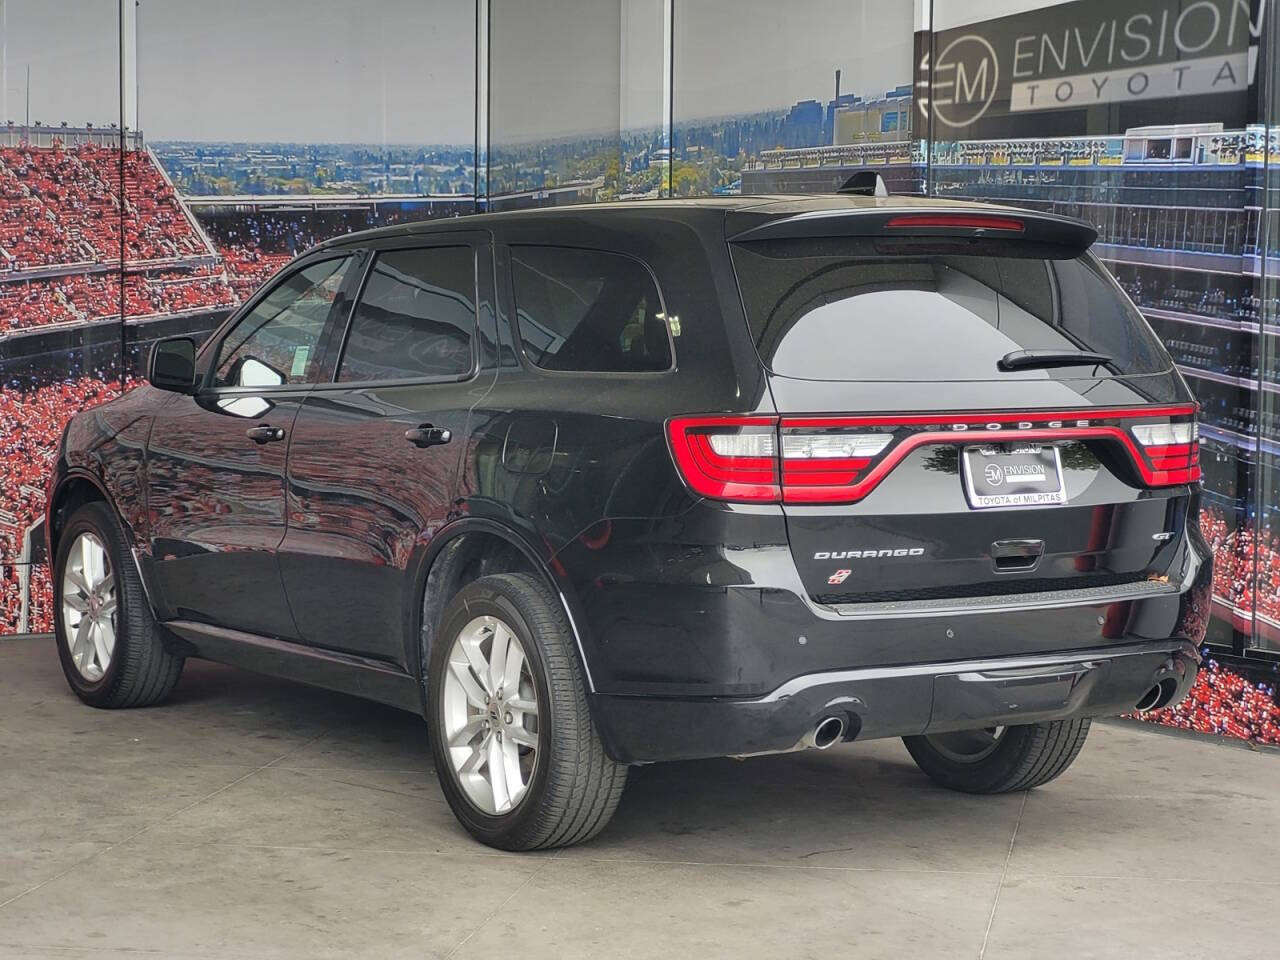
508 250
340 337
215 343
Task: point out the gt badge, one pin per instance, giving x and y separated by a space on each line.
838 577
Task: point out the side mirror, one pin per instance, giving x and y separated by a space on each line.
172 365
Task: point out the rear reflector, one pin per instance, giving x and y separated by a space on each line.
937 221
755 459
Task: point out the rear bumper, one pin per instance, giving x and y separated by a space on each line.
899 701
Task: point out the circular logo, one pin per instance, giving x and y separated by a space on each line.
965 78
994 475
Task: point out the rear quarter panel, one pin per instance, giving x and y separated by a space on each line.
578 463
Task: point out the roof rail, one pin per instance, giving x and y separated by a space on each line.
868 183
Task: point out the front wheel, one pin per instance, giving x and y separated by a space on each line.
112 650
515 748
999 759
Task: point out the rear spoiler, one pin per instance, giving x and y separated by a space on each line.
922 221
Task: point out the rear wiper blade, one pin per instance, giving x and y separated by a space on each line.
1040 359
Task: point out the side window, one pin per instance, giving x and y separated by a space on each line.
416 317
277 342
586 310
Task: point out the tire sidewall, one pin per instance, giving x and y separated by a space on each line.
994 773
477 600
93 518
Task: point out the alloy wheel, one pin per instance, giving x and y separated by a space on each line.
89 606
490 713
967 746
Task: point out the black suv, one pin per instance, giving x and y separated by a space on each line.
605 485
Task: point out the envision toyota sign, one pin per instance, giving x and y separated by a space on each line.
1089 53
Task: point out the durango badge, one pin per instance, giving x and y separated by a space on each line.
868 554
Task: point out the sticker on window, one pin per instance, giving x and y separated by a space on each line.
299 367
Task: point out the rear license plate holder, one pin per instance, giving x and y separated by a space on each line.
1012 475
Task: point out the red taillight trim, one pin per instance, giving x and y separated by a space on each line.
737 479
964 221
1033 416
848 480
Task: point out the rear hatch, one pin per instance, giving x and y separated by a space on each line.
968 406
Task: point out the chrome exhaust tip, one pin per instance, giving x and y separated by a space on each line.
828 732
1158 696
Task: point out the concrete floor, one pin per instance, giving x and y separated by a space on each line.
254 818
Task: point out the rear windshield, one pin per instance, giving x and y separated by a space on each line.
868 309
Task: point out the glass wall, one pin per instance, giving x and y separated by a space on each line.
578 98
159 159
1142 120
60 230
262 129
1266 209
773 97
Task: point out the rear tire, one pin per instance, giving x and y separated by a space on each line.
555 785
1021 758
112 649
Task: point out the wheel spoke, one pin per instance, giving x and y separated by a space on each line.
89 560
479 753
467 732
108 608
528 707
101 654
80 645
501 645
77 580
512 776
75 601
479 665
496 765
514 664
107 585
108 632
523 737
475 696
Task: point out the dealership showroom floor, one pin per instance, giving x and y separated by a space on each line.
254 818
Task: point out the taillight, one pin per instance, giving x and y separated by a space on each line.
756 459
820 464
728 458
1172 452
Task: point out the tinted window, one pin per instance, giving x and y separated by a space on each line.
845 310
588 311
276 342
415 318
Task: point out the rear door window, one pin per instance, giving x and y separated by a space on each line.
415 319
586 310
869 310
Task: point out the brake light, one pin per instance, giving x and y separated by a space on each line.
762 459
933 221
1172 451
728 458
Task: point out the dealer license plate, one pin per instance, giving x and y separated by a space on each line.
1013 475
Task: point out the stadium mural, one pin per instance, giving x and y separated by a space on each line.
157 165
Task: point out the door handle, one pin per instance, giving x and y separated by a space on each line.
1009 555
428 436
265 434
